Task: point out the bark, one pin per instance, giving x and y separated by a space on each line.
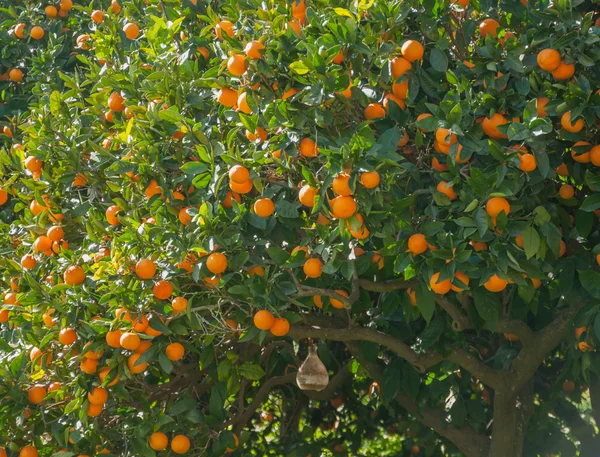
504 426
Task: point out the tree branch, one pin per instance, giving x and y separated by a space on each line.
308 291
387 286
334 384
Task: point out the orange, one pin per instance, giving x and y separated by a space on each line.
98 396
145 269
490 126
495 284
337 303
442 287
15 76
579 331
141 324
437 166
339 57
313 268
224 26
264 207
184 217
237 65
259 134
88 366
565 121
446 189
417 244
254 49
374 111
180 444
28 451
400 66
318 301
54 386
152 189
33 164
519 241
131 30
295 27
162 290
111 215
42 244
228 200
74 275
280 327
227 97
362 232
129 341
549 59
113 338
370 179
158 441
97 16
412 50
89 354
175 351
144 345
94 410
66 5
489 27
398 101
527 162
28 262
116 102
20 30
239 174
216 263
3 197
462 278
36 394
37 33
496 205
256 270
541 103
308 148
67 336
564 71
290 93
204 51
241 188
55 233
131 364
443 136
400 90
307 195
566 191
179 304
340 184
343 207
579 156
595 155
263 319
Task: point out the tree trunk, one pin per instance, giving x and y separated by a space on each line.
504 426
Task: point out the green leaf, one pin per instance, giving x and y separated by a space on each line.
194 168
55 103
390 384
425 301
590 280
411 380
218 395
531 242
517 132
165 363
278 255
438 60
458 412
251 371
591 203
488 306
597 325
432 333
299 67
481 220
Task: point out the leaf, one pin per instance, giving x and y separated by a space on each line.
343 12
591 203
481 221
411 380
425 301
597 326
251 371
165 363
517 132
438 60
390 384
288 209
590 280
299 67
55 103
218 395
531 242
458 412
278 255
488 306
194 168
432 333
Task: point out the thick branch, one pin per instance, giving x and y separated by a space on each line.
308 291
387 286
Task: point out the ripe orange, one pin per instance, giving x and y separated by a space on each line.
227 97
400 90
243 188
67 336
158 441
162 290
74 275
94 410
129 341
295 26
216 263
131 364
98 396
237 65
308 148
280 327
400 66
28 262
33 164
490 126
116 102
412 50
437 166
204 51
66 5
496 205
28 451
489 27
417 244
256 270
254 49
369 179
226 27
42 244
374 111
88 366
145 269
113 338
541 103
579 331
339 57
259 134
307 195
97 16
111 215
566 191
179 304
362 232
36 394
145 344
55 233
264 207
565 121
264 319
3 197
337 303
441 287
495 284
15 76
228 200
131 30
527 162
175 351
564 71
343 207
37 33
313 268
579 156
239 174
340 184
447 189
184 217
462 278
549 59
519 241
180 444
20 30
152 189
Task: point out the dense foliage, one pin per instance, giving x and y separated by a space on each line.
192 193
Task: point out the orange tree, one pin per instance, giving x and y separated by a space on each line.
192 191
